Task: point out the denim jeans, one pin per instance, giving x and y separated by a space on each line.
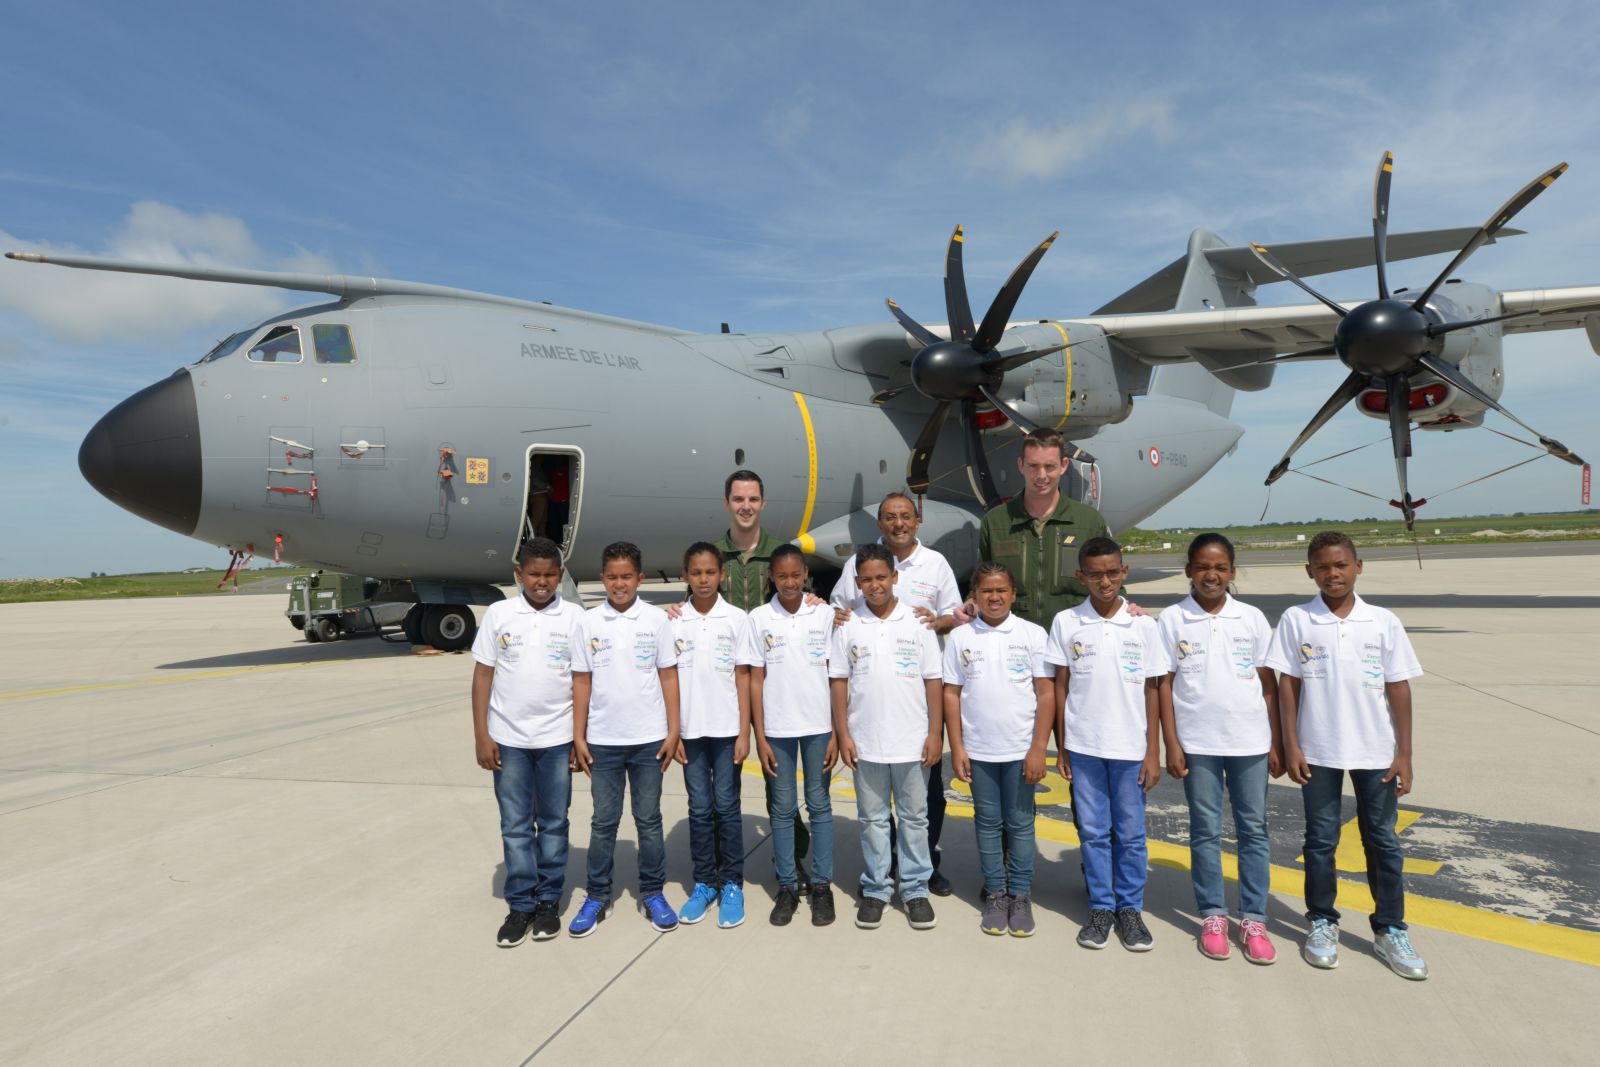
809 753
936 804
1002 807
716 831
1109 802
1376 808
907 785
634 766
1246 779
534 789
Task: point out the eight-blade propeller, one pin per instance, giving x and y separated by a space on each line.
1385 341
969 368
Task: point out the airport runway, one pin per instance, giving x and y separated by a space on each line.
221 843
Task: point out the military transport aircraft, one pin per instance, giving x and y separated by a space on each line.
419 433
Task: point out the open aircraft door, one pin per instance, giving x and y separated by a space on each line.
1083 483
552 495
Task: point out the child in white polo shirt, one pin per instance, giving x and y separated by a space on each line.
793 716
999 708
522 727
624 732
711 639
1108 664
887 716
1219 716
1344 701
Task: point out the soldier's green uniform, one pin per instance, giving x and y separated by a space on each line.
1042 553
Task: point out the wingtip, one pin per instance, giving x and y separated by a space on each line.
26 257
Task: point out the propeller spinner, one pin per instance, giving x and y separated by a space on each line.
1385 341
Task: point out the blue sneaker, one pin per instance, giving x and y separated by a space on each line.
730 907
659 912
694 909
592 914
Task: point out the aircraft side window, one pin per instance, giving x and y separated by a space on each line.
226 347
280 345
334 344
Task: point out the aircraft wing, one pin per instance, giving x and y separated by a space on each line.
1558 309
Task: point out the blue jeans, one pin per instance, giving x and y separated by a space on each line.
1376 808
635 766
534 789
716 831
1109 802
1246 778
907 785
1001 800
936 805
809 753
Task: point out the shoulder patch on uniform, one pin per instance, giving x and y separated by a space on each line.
1069 539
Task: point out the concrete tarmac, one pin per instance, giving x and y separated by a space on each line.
221 843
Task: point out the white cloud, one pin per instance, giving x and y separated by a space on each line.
1045 150
95 306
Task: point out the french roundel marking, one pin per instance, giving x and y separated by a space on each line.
1155 456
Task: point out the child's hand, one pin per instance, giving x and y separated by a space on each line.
832 756
1033 766
1150 772
961 766
847 751
924 616
1064 765
811 600
671 749
1135 610
966 613
840 617
1295 763
769 758
488 752
1275 762
675 611
581 759
1400 774
1177 762
932 749
741 749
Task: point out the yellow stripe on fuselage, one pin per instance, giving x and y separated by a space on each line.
811 475
1066 357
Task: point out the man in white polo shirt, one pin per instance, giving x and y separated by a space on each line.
522 727
887 692
925 584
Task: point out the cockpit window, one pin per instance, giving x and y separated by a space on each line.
333 343
280 345
226 347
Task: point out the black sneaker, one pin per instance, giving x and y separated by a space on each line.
919 913
869 913
1133 933
784 907
546 920
821 904
514 931
1097 931
939 885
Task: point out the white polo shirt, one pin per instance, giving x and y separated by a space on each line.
623 651
708 648
1108 661
888 662
995 667
530 649
926 581
793 652
1343 665
1216 692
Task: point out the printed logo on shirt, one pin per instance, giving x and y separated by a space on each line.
817 645
1019 664
860 659
922 594
972 663
505 641
724 654
906 658
1132 659
1372 665
1313 660
682 646
558 653
599 651
1082 650
1191 656
1244 657
644 651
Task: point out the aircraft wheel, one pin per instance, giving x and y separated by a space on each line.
326 629
297 621
411 625
449 627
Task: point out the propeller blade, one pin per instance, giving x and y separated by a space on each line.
955 291
977 462
1348 390
1272 264
1007 410
1450 373
922 450
1005 302
1399 387
1380 219
1496 223
1009 361
923 335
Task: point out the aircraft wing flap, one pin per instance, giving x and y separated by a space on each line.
1249 331
1557 309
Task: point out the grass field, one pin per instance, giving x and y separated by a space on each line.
1552 526
181 583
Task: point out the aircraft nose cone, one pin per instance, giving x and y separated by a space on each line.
144 455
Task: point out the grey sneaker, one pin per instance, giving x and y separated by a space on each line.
1097 931
1394 948
1132 932
1322 945
1021 918
919 913
996 913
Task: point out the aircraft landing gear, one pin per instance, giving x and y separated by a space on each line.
411 625
448 627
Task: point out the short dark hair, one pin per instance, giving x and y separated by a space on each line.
1205 539
784 551
702 548
1045 437
992 567
1330 539
538 548
622 550
881 553
899 494
1098 546
743 475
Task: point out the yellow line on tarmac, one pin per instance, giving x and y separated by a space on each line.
97 687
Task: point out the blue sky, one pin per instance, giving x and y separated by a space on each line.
779 167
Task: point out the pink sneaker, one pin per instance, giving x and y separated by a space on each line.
1214 936
1257 945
